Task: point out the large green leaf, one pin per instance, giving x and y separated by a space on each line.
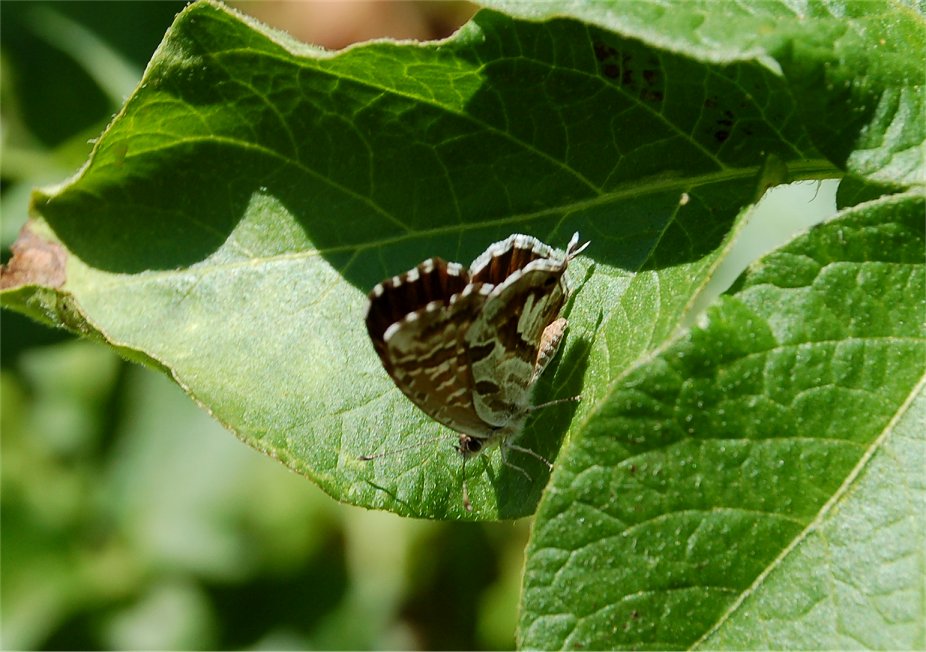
757 482
760 467
847 63
237 210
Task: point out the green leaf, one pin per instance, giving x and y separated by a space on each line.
253 189
848 65
854 576
758 481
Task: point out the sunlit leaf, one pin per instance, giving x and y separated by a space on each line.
758 482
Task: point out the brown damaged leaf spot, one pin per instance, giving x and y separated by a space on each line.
35 261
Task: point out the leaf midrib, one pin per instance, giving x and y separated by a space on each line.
652 186
824 511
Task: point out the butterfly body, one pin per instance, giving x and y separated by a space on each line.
468 345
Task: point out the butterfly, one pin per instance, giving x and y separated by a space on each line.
468 345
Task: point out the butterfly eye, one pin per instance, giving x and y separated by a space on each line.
550 282
474 445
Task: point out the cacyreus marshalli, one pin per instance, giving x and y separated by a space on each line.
468 345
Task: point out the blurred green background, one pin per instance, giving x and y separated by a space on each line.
130 519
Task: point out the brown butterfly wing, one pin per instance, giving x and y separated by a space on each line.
418 324
508 256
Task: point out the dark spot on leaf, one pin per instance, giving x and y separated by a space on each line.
611 70
604 52
651 76
720 135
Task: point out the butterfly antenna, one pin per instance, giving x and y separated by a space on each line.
466 504
573 249
367 458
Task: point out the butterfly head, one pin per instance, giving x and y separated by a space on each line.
469 446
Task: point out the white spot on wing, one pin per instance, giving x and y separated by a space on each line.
391 331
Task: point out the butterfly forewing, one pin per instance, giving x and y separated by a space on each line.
505 340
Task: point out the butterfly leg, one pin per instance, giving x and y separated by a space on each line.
550 340
467 505
505 446
527 451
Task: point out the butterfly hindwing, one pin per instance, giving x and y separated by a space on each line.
505 340
418 323
504 258
391 301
